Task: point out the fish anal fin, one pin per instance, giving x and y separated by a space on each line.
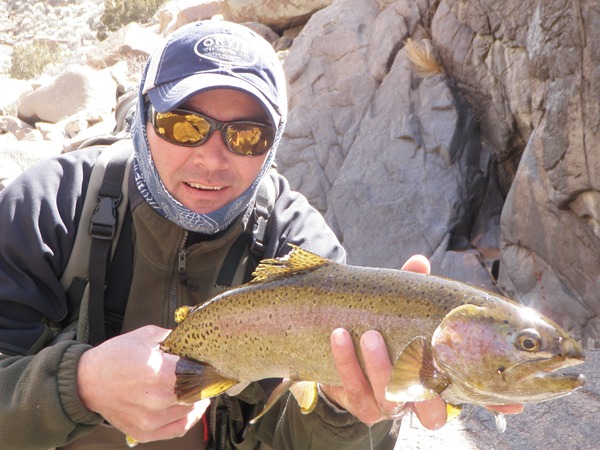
452 411
197 381
306 394
414 377
297 261
276 394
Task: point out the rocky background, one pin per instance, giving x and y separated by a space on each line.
461 130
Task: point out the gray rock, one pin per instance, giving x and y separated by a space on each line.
175 14
277 14
132 42
78 88
394 160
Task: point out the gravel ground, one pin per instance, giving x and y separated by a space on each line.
566 423
67 25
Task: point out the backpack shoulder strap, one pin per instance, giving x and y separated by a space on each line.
106 200
253 239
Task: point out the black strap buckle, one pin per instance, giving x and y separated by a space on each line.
257 246
103 224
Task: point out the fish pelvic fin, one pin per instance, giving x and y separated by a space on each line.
305 393
297 261
414 377
276 394
197 381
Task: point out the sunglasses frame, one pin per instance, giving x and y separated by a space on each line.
215 125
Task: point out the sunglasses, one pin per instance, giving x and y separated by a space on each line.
191 129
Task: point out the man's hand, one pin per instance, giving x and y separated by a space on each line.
130 382
364 395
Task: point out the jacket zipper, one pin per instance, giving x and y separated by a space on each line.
179 276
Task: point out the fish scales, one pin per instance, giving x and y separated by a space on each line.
447 338
290 320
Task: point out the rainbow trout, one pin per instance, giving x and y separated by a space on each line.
447 338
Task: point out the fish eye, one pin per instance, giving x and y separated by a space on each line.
529 340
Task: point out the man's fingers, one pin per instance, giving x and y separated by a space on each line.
506 409
417 263
357 393
431 413
346 362
379 367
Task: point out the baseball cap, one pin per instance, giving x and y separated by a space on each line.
216 54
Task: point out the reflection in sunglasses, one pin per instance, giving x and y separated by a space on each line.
189 128
186 132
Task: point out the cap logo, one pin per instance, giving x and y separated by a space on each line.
226 49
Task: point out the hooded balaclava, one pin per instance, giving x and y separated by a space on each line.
198 57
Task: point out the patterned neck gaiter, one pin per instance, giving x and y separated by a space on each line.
155 193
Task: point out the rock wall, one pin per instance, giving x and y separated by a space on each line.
403 163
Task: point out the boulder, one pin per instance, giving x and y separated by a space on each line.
78 88
177 13
530 72
19 130
277 14
397 157
132 42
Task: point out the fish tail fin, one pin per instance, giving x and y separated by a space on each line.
305 393
414 377
197 381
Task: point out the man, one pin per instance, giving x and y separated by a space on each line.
210 113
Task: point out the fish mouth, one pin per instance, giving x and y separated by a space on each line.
546 370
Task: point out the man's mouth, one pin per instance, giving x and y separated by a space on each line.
205 187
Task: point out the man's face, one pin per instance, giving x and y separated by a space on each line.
208 177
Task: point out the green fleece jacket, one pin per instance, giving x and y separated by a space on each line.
39 404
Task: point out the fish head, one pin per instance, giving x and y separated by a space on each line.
504 353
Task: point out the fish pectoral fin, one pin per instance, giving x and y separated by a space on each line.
276 394
197 380
182 313
306 394
297 261
414 377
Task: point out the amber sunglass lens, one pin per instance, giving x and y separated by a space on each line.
249 139
185 129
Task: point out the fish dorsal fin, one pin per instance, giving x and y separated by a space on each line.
414 377
297 261
196 381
